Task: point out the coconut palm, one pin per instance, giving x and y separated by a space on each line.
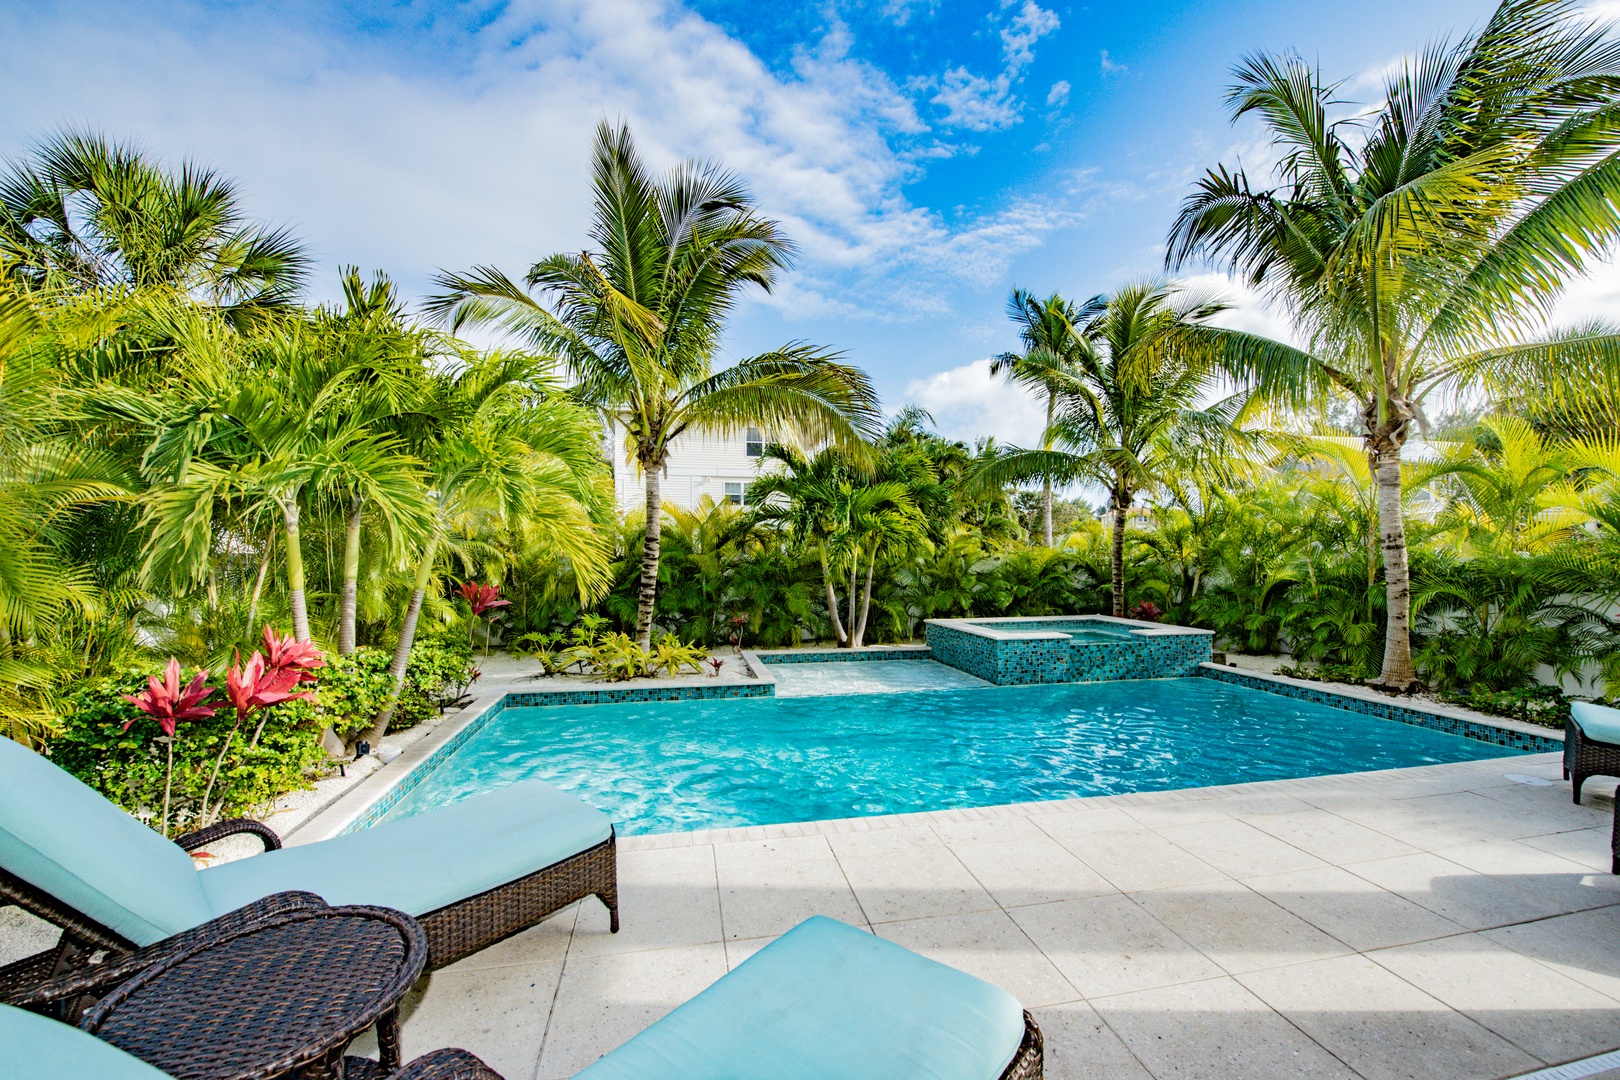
1132 411
1418 248
84 213
1047 330
638 322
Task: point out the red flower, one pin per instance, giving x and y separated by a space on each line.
285 654
482 597
257 685
168 702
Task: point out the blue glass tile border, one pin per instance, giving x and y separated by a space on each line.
1388 710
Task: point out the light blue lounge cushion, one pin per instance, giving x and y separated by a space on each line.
419 864
1597 721
62 837
34 1047
828 1002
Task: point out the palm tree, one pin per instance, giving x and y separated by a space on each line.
1131 412
292 421
508 450
1423 254
847 512
638 322
1046 328
85 213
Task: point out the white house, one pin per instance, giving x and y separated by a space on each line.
700 463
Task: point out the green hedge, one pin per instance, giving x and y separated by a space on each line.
128 766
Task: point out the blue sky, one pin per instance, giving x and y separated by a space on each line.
925 156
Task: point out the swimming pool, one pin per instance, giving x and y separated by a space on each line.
673 766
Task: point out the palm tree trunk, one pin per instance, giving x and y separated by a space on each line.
859 637
351 581
258 584
1046 481
295 573
832 603
402 648
854 569
1121 504
1398 672
647 601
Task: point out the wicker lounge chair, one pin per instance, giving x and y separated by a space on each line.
823 1002
39 1048
472 873
828 1002
1591 743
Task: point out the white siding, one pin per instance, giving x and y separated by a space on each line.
700 463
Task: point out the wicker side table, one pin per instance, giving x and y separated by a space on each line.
282 997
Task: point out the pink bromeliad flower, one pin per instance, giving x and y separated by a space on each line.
168 702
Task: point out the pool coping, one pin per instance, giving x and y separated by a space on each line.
980 627
376 794
1039 807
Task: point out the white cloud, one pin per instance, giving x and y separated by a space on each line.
1018 39
1250 310
1058 96
976 103
413 168
969 403
1110 67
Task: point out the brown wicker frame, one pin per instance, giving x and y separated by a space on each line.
453 931
1614 840
1585 758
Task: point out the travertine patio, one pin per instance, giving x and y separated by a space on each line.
1437 922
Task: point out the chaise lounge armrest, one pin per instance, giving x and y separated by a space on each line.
438 1065
64 992
219 830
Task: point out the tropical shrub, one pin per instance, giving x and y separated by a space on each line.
1544 705
128 765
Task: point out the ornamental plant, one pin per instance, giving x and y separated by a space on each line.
255 686
482 598
168 703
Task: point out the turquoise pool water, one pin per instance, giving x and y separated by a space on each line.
671 766
1079 629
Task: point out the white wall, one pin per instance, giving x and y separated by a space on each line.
700 463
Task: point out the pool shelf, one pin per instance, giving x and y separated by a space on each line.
1081 648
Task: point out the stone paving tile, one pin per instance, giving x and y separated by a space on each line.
667 898
603 1000
908 876
1238 928
770 896
1239 849
1081 1046
1584 946
1214 1028
990 945
1476 901
1352 909
1531 1005
1134 860
1038 871
1267 880
1588 847
1381 1025
1330 837
505 1017
1110 945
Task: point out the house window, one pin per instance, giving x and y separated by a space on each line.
754 442
734 493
